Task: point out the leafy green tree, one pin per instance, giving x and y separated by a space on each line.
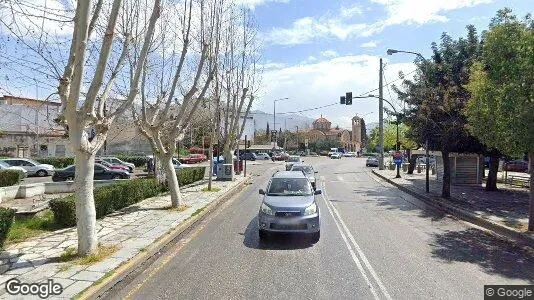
436 98
390 137
501 108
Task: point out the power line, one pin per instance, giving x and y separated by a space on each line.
336 103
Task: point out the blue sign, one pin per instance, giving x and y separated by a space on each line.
398 161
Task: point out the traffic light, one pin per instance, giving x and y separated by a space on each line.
348 98
342 99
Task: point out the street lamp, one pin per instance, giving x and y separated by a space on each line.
427 171
274 119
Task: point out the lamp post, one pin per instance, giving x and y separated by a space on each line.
274 120
427 171
397 146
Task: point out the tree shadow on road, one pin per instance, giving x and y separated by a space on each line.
393 199
275 241
494 255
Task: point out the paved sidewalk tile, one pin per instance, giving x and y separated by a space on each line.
131 230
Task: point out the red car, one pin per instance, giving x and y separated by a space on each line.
193 158
516 166
112 166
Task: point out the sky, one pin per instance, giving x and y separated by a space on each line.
316 50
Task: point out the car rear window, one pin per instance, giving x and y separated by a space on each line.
289 187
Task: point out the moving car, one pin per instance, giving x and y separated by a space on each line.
193 158
5 166
116 161
517 165
31 166
288 206
248 156
336 155
112 166
371 161
101 173
308 171
263 155
293 159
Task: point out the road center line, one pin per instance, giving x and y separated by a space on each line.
352 253
362 256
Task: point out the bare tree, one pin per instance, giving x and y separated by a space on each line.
239 78
82 113
161 117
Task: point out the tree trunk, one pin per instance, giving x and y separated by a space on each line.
446 189
531 210
172 181
491 182
160 168
85 203
413 162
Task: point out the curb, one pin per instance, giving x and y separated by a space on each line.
96 290
502 231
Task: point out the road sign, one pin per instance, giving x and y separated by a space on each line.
306 143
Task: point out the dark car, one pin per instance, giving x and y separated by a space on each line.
289 206
371 161
517 165
247 156
101 173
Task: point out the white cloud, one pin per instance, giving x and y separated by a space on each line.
321 83
312 58
329 53
254 3
370 44
307 29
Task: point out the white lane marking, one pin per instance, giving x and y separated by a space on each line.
352 253
356 246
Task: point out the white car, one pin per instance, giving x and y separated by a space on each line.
336 155
262 156
5 166
31 166
116 161
349 154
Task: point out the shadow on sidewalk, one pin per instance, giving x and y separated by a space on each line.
275 241
490 253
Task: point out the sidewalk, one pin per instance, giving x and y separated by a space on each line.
130 230
507 207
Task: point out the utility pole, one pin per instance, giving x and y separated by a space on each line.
427 184
381 118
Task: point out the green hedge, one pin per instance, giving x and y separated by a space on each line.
110 198
190 175
10 177
57 162
6 220
138 161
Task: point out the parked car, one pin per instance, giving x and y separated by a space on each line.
101 173
293 159
308 171
349 154
112 166
517 165
336 155
262 156
193 158
178 165
116 161
31 166
289 205
281 156
248 156
371 161
6 166
421 160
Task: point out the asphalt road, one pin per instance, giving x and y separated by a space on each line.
376 243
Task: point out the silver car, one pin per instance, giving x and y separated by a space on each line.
5 166
308 171
31 166
289 206
293 159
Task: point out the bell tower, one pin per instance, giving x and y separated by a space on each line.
357 133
